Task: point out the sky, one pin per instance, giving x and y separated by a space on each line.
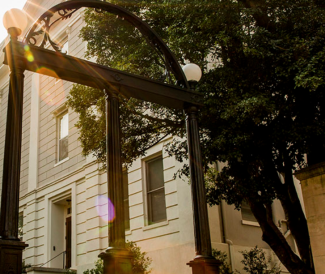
4 6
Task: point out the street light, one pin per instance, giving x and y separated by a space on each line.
112 82
203 262
15 22
10 245
192 72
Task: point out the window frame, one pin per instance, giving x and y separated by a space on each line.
21 225
126 200
64 45
247 221
147 209
58 139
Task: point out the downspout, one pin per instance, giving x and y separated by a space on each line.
223 228
229 242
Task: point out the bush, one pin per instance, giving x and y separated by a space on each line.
99 268
255 262
222 257
140 264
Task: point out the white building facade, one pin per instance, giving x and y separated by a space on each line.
61 192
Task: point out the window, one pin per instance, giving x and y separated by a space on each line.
126 200
65 47
246 212
20 225
156 204
63 137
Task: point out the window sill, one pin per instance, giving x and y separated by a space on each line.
244 222
61 162
153 226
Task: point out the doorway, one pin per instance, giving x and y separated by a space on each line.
61 229
68 240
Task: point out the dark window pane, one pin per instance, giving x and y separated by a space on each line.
126 200
155 176
125 185
64 126
63 148
157 206
20 225
127 214
247 213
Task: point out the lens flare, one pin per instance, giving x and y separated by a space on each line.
46 71
28 54
52 93
105 208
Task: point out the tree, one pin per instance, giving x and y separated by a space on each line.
263 86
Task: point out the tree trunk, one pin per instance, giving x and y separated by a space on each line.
276 240
297 222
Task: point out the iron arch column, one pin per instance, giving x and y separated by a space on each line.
10 245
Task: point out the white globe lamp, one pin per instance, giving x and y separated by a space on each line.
192 72
15 21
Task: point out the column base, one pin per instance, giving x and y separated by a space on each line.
11 256
204 265
117 261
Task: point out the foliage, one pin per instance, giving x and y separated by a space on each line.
69 271
263 85
140 263
25 266
255 262
222 257
99 268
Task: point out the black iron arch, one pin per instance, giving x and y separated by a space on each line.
65 10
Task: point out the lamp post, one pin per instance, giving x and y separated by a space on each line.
204 262
116 259
10 245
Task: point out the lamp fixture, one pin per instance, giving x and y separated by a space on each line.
192 72
15 20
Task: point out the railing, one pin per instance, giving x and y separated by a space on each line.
63 266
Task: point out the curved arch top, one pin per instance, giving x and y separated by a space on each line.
66 9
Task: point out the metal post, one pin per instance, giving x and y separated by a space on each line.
116 258
203 263
114 168
10 246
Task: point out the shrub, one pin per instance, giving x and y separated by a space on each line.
140 264
255 262
222 257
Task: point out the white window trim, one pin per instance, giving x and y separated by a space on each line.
62 161
156 225
58 118
145 193
244 222
60 110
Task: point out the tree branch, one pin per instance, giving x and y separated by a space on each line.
276 240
